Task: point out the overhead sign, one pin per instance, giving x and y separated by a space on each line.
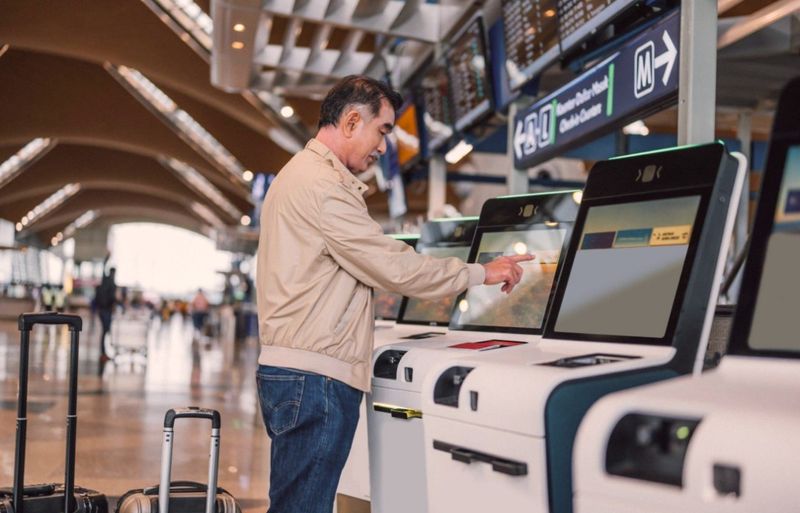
639 77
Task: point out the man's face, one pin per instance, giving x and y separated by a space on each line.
368 137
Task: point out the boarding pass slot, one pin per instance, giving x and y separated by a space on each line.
468 456
588 360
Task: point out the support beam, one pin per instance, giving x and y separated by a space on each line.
437 186
517 179
698 76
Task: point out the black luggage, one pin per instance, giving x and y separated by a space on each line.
182 496
49 498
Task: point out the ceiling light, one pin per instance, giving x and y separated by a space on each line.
636 128
238 27
577 197
458 152
287 111
19 227
54 241
24 220
247 175
16 163
199 183
246 220
550 13
237 45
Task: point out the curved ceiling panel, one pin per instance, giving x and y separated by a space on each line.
121 32
80 102
253 149
102 200
90 167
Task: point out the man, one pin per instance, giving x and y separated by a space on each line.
320 255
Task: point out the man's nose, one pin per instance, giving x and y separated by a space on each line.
382 146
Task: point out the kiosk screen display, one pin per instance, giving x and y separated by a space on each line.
387 305
434 310
525 307
774 325
626 271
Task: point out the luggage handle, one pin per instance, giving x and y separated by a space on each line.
183 486
166 455
26 322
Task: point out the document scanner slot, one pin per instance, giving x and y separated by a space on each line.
386 364
588 360
449 385
468 456
650 448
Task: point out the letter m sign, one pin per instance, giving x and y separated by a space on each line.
644 70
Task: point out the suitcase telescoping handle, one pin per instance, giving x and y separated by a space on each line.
26 323
166 455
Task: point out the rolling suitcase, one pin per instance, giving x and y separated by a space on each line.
49 498
182 496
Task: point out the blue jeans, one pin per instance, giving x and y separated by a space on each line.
311 420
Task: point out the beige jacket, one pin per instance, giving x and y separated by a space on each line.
320 254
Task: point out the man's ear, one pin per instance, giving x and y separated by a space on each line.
350 122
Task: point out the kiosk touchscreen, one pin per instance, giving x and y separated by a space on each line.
633 304
420 319
417 320
484 320
387 304
726 440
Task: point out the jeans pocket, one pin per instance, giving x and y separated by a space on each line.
280 397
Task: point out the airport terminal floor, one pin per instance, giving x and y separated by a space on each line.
121 410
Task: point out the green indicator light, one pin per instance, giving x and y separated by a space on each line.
610 91
682 433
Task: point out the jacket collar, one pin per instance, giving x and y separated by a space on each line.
316 146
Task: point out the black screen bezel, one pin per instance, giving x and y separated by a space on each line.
473 255
704 192
763 224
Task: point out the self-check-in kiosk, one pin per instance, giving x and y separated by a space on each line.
727 440
484 320
633 305
417 320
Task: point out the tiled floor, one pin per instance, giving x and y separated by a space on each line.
121 409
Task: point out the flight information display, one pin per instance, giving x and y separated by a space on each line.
537 32
434 311
774 325
467 70
526 305
438 113
626 272
531 32
574 14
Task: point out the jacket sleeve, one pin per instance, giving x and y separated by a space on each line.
357 243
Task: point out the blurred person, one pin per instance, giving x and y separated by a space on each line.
105 298
199 311
320 255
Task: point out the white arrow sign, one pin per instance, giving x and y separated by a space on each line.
667 58
520 137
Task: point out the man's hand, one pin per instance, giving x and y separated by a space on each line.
505 270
